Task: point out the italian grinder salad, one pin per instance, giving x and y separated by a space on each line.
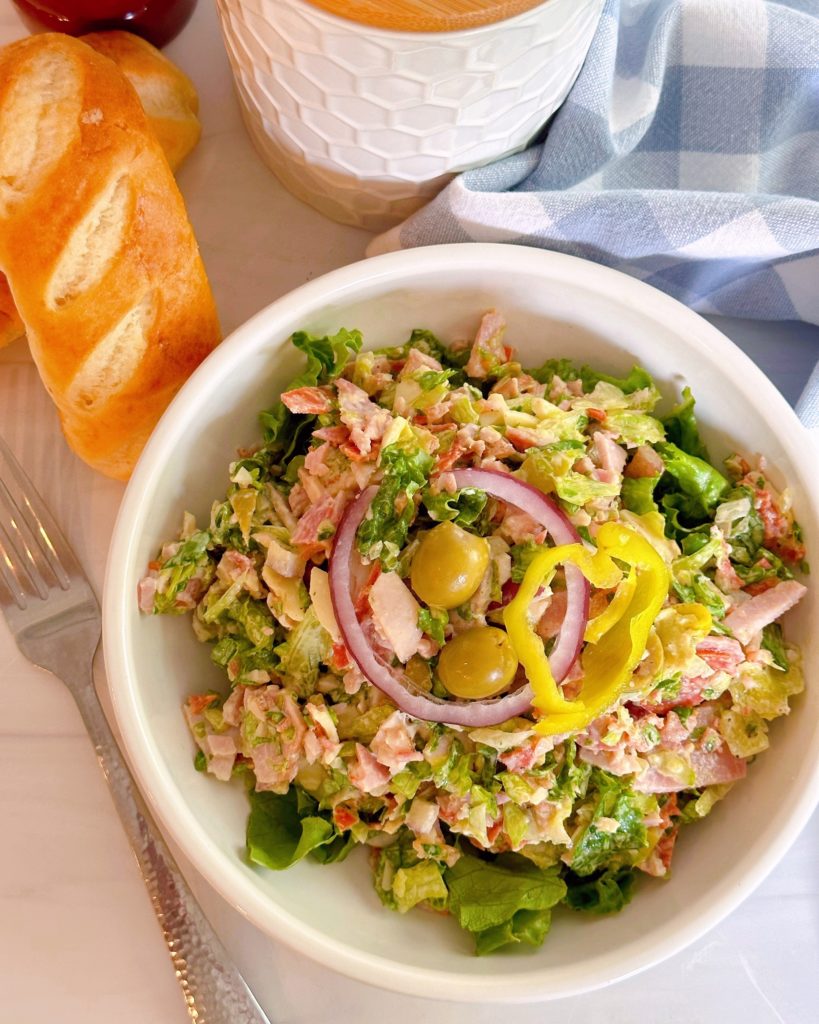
505 627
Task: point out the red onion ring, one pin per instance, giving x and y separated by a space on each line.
394 682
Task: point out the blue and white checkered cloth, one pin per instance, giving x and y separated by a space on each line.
686 154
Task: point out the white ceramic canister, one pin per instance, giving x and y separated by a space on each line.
366 124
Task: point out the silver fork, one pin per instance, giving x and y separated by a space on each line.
55 620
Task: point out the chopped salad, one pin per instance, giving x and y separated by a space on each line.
508 628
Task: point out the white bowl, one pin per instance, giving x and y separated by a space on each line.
556 306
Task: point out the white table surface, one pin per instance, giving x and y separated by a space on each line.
78 939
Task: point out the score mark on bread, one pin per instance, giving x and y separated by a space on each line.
95 241
38 120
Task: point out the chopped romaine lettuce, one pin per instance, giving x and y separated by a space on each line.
486 897
384 532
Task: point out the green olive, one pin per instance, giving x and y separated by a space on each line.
477 663
448 566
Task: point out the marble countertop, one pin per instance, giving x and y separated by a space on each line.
78 938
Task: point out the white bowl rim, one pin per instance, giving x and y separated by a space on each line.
167 802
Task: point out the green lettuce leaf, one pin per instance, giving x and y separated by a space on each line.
529 926
282 829
486 897
384 532
635 380
433 622
463 507
606 892
178 569
693 488
772 641
637 494
682 430
595 849
286 434
307 646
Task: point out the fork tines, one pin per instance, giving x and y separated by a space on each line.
29 539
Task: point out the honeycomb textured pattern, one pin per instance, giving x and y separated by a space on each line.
367 124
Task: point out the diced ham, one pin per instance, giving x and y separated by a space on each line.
393 743
519 526
552 619
366 420
645 462
232 708
522 438
612 759
747 619
688 695
487 349
315 462
652 780
146 591
418 360
327 513
313 401
221 745
721 653
366 773
335 435
608 453
717 766
395 612
528 755
422 816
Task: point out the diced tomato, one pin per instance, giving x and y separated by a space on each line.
340 657
199 701
493 830
362 603
778 529
343 817
597 414
665 848
448 459
761 586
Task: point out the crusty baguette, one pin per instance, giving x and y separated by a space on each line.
11 326
96 244
167 95
169 99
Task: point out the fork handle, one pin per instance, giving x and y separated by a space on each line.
213 988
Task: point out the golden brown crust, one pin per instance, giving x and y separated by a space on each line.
167 95
171 104
97 247
11 326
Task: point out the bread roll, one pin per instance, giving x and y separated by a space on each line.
96 244
169 99
11 326
167 95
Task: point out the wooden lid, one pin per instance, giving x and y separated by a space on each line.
426 15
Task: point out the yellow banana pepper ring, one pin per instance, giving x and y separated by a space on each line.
602 623
609 662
